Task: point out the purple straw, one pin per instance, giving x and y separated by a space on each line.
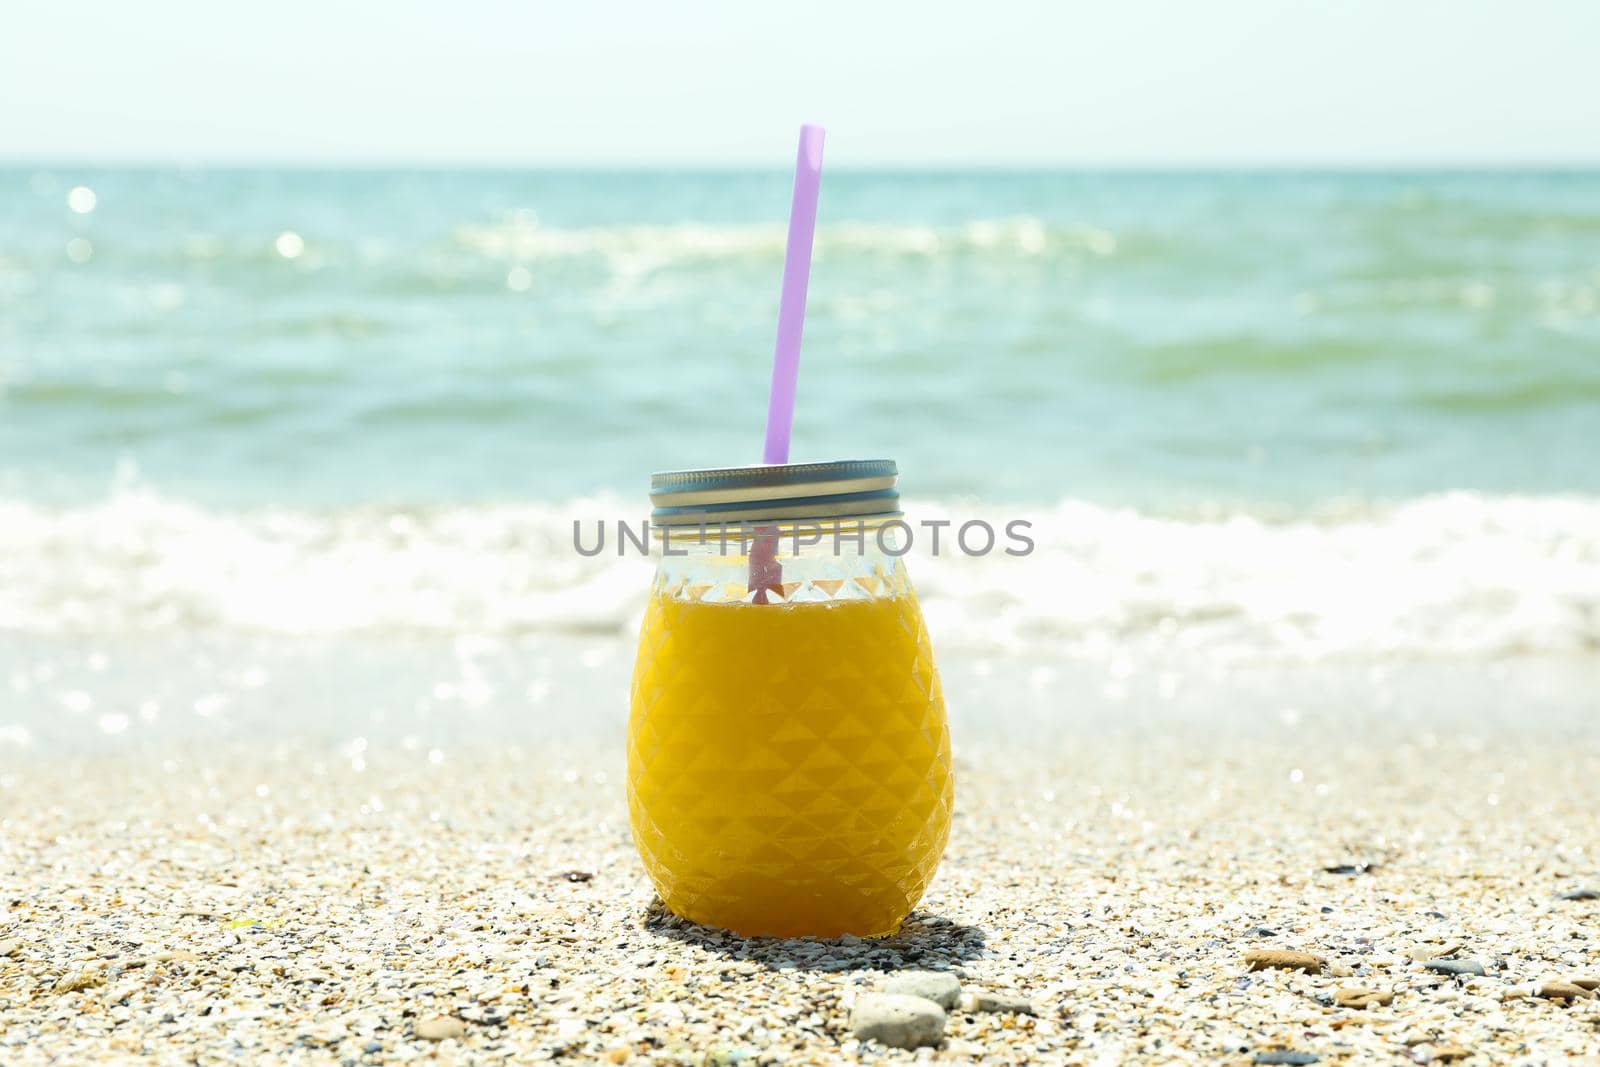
792 306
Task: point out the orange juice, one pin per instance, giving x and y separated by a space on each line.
789 764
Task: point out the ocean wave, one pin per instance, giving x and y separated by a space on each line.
523 238
1458 574
1454 574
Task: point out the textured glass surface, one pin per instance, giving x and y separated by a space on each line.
789 763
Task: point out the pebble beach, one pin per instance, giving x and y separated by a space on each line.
1358 893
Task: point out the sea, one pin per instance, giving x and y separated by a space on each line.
308 445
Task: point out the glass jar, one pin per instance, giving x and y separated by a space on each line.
788 753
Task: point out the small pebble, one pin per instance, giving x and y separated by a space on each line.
123 992
1454 966
1568 991
326 1034
1283 1056
897 1020
1361 999
1005 1003
1584 893
1267 959
1349 868
372 1046
9 946
439 1028
1423 953
941 987
79 980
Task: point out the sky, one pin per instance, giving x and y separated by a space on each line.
998 83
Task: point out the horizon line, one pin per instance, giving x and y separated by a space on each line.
1328 166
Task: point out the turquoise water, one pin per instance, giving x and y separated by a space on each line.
1322 417
1173 342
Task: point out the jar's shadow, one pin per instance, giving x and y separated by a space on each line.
929 942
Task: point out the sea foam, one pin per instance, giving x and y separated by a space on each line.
1449 575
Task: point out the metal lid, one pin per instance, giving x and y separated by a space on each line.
789 492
